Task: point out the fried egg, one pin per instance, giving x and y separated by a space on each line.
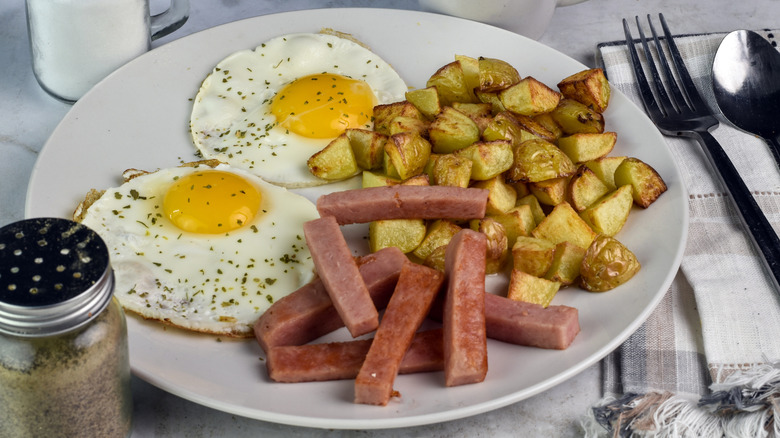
269 109
204 248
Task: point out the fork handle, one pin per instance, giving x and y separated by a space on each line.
761 233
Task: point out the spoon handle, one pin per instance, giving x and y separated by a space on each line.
760 230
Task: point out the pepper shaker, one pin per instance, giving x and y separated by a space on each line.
64 366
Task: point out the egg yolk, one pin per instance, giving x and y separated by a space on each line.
323 105
211 202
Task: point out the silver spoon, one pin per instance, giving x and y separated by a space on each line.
746 82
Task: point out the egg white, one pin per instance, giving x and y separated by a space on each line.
215 283
231 117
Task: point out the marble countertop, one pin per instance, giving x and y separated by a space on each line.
28 116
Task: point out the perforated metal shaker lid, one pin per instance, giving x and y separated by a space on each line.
55 276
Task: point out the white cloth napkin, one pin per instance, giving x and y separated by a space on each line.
707 361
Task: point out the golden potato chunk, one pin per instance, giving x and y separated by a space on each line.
480 113
539 160
585 188
497 243
404 234
502 196
490 97
436 259
451 130
489 158
334 162
549 124
373 179
451 85
426 100
496 74
504 126
408 124
531 289
563 224
532 255
604 168
608 215
566 264
417 180
408 152
589 87
607 265
470 68
451 170
529 97
574 117
550 192
368 147
646 183
439 233
536 129
536 209
583 147
385 113
518 221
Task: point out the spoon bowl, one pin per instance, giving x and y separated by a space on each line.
746 84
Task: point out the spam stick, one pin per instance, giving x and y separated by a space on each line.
340 275
521 323
403 202
308 313
417 287
465 338
342 360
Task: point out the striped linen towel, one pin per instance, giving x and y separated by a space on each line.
707 361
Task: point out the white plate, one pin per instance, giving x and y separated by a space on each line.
138 117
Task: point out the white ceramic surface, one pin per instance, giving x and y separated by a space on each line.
138 118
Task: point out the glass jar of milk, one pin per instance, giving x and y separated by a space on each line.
76 43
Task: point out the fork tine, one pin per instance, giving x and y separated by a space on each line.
667 104
678 101
694 99
645 90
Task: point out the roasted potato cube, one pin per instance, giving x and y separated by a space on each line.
497 243
439 233
518 221
388 166
607 265
405 234
585 188
574 117
536 209
502 196
538 160
604 168
584 147
489 158
589 87
550 192
567 260
373 179
549 124
529 97
521 188
334 162
492 98
408 124
530 125
504 126
451 85
368 147
480 113
426 100
563 224
531 289
408 152
451 170
646 183
436 259
470 67
417 180
532 255
451 130
608 215
384 114
496 74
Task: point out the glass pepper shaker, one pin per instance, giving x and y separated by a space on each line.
64 368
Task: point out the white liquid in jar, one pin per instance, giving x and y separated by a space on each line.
76 43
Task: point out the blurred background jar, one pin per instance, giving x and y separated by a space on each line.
64 365
76 43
